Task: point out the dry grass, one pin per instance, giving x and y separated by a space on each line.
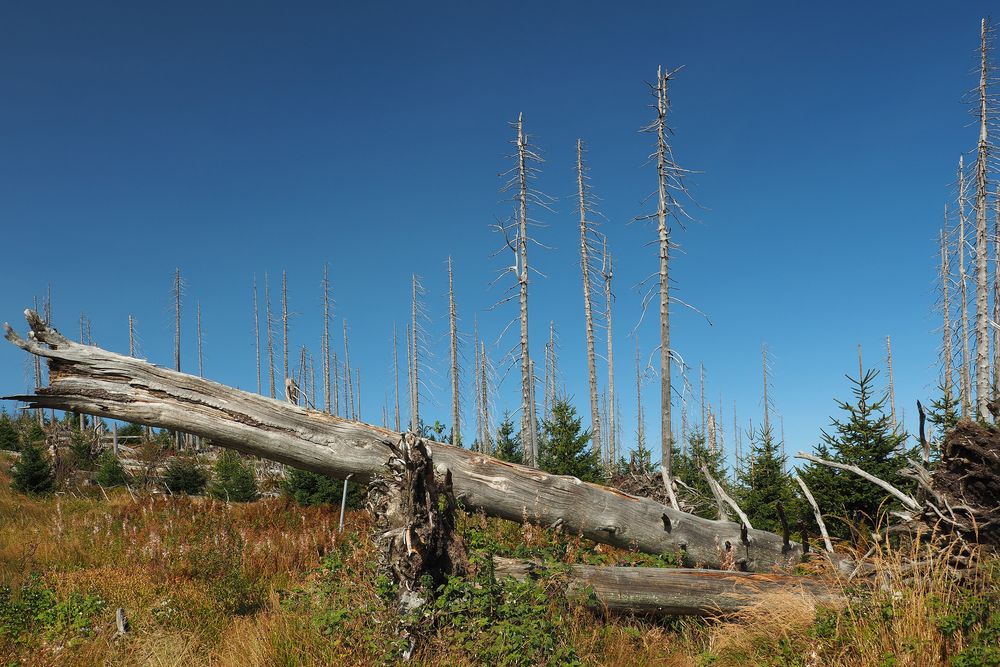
272 583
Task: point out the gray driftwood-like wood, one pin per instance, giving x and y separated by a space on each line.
91 380
677 592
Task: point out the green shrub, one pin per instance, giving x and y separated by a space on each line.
110 472
310 488
8 433
185 475
35 610
32 473
233 479
81 451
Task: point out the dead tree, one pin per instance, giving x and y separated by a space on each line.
982 279
348 395
456 433
327 393
256 332
177 338
284 321
892 385
586 269
963 289
669 180
946 332
607 273
518 181
414 358
131 336
395 373
270 334
92 380
201 341
996 296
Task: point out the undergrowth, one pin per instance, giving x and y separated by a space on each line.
273 583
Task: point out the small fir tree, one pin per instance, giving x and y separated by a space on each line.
32 473
944 412
233 479
310 488
8 433
110 472
185 475
763 484
687 468
566 446
508 442
865 439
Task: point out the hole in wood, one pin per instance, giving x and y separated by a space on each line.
666 522
729 546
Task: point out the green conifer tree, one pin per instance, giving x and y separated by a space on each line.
863 438
763 484
110 472
233 479
32 473
184 475
310 488
508 442
565 446
944 412
8 433
687 468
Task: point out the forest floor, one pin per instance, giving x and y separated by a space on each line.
272 583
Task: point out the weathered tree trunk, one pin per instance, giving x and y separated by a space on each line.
325 344
94 381
982 250
946 353
607 272
595 418
527 375
963 289
676 592
456 429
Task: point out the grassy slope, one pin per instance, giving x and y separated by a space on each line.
272 583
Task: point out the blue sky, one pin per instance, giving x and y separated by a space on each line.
229 139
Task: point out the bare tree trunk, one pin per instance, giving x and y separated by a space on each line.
767 402
414 363
456 430
946 309
140 392
327 393
256 332
640 433
485 398
982 247
270 333
664 166
395 373
963 287
348 395
284 321
201 341
607 273
701 389
585 266
528 419
892 384
177 337
131 335
996 296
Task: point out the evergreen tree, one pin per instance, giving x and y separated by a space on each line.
233 479
865 439
310 488
32 472
943 413
81 450
110 472
687 468
185 475
8 433
565 447
508 442
762 483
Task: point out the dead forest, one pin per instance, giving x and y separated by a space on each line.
536 514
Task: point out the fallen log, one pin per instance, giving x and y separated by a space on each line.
676 592
88 379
